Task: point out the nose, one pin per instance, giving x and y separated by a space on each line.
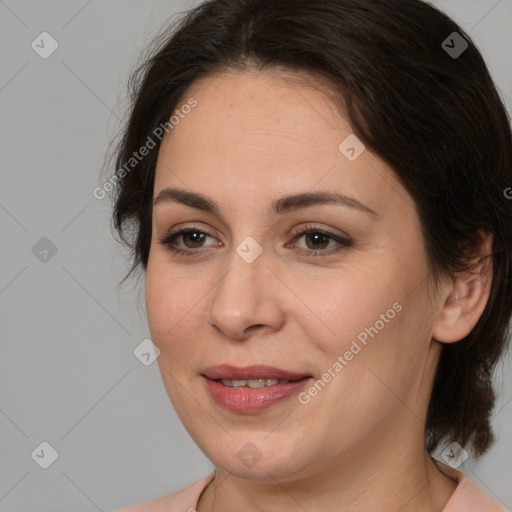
248 297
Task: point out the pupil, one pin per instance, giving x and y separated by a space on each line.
195 234
316 236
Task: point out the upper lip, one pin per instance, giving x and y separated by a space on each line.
226 371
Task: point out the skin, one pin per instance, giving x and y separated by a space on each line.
359 444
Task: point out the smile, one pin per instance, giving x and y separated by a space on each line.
252 383
251 389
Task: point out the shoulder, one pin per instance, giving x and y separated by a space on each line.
183 500
468 497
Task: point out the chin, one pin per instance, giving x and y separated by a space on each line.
258 457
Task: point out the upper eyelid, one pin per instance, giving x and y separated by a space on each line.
297 233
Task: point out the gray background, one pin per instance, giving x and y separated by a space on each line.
68 375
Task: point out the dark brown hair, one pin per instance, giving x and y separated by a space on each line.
436 118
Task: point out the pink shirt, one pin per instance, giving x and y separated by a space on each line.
468 497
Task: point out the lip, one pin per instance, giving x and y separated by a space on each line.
226 371
249 400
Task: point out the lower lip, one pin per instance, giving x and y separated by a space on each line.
249 400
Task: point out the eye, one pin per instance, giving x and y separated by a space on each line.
316 241
195 236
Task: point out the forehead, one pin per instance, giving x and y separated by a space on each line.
267 133
243 118
267 99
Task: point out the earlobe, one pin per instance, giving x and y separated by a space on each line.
466 297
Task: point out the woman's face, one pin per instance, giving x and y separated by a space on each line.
345 305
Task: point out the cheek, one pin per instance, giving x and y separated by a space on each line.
169 302
383 356
163 305
157 303
377 336
361 303
174 307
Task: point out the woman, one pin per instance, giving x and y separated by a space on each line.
315 192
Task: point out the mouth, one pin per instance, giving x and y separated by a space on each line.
252 389
252 383
251 374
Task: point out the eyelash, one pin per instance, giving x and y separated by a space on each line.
169 239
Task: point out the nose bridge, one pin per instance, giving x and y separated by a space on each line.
245 266
243 296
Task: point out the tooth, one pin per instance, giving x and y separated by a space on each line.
256 383
253 383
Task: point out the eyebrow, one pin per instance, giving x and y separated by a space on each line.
280 206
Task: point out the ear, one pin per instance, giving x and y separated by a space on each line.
464 300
